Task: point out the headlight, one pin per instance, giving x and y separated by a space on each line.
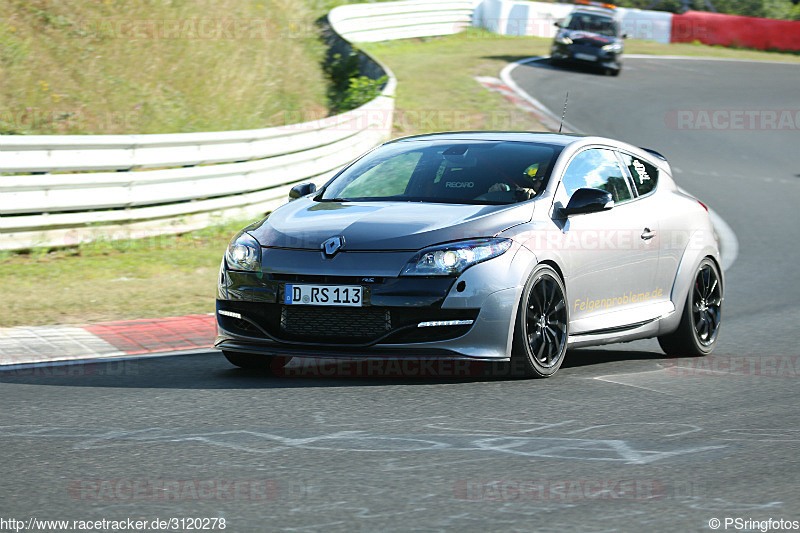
243 253
454 258
615 47
563 39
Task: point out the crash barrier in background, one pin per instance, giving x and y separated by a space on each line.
385 21
537 19
736 31
61 190
512 17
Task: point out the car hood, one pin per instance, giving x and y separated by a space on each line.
305 224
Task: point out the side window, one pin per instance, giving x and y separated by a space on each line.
645 175
597 168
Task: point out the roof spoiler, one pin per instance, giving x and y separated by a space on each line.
653 152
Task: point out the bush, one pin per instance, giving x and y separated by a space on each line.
348 89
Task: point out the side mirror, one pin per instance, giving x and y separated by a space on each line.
557 24
588 201
624 35
300 190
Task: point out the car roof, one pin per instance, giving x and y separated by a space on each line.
557 139
562 139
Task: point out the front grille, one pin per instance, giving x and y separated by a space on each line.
588 43
357 324
336 280
343 325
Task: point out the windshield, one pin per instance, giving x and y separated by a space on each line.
592 23
447 171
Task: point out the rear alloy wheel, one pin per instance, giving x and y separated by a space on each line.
540 333
699 327
263 363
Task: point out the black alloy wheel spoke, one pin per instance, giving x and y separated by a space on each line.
558 307
711 290
541 353
706 305
546 319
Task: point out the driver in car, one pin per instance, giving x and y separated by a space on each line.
529 177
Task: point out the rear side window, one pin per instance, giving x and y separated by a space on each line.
645 175
597 168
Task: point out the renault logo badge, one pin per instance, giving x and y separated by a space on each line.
332 245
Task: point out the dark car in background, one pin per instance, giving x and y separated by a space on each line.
589 36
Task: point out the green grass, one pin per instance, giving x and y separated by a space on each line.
176 275
147 278
437 89
153 66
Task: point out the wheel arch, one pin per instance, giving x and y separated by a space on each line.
684 276
534 265
551 263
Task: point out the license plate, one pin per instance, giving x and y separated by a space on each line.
338 295
586 57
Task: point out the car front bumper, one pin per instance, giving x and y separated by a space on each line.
586 55
473 314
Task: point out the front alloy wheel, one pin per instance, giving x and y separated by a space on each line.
540 334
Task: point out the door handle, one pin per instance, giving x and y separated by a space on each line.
647 234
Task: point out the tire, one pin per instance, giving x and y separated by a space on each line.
262 363
698 330
541 328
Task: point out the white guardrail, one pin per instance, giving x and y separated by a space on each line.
89 187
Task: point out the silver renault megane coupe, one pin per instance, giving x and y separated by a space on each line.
506 248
